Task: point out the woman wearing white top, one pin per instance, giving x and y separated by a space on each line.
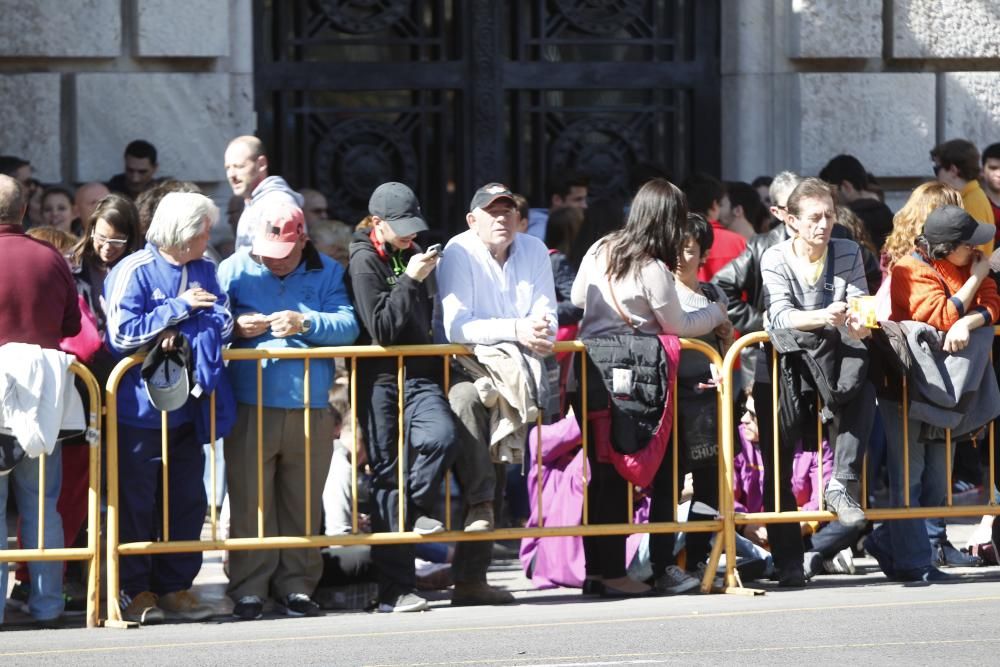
629 275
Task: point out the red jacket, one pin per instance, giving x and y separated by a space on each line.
726 247
38 300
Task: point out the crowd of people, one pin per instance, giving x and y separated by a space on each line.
141 264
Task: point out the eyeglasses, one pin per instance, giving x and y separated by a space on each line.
115 243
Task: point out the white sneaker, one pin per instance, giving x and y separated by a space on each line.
842 563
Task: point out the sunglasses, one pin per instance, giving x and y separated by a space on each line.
115 243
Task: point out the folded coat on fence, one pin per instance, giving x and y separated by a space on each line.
38 397
958 390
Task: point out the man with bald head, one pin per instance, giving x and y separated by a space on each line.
247 173
87 196
39 307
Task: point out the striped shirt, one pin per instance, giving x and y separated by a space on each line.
786 291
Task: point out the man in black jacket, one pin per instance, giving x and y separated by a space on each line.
393 298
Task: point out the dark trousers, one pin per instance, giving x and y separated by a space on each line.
141 506
661 508
850 430
481 479
430 449
785 539
607 503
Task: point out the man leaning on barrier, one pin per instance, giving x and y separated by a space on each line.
392 282
807 282
284 294
39 307
166 296
495 286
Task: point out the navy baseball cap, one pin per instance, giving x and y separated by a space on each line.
167 375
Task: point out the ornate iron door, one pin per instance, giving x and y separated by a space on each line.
446 95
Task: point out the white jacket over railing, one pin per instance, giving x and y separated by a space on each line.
37 396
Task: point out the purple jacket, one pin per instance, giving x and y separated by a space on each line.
556 561
748 476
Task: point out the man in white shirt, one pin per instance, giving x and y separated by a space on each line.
494 286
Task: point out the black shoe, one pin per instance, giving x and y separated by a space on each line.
935 576
48 623
592 587
249 608
792 577
300 604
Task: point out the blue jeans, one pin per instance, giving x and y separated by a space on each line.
910 547
46 601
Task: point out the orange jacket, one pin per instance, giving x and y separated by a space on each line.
917 293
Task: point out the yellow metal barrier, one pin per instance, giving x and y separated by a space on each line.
733 520
116 549
91 553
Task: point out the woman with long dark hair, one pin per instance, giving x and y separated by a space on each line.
110 234
626 286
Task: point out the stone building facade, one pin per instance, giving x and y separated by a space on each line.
802 80
885 80
81 79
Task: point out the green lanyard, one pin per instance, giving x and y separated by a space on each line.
396 260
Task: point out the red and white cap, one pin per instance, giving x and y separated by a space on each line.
282 226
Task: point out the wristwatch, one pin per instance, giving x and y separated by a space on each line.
307 324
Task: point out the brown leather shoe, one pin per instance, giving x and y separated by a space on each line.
468 594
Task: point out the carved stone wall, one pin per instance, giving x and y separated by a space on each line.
885 80
80 80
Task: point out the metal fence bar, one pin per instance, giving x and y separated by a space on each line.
117 549
165 472
307 442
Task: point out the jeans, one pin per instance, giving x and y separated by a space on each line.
46 600
910 548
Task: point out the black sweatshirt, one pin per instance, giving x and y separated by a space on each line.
393 310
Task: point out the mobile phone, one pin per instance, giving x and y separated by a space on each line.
434 249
